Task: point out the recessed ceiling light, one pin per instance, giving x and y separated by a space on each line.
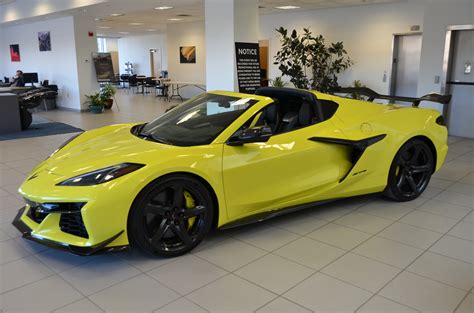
105 27
151 30
135 24
99 19
84 10
287 7
163 8
175 19
124 33
117 14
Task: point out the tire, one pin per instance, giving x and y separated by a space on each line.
25 118
410 171
171 216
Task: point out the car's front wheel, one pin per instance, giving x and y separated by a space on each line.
171 216
410 171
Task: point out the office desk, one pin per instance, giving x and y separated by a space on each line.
174 87
10 121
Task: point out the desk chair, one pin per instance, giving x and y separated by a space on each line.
132 83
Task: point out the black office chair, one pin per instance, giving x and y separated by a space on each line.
124 80
162 88
132 83
150 83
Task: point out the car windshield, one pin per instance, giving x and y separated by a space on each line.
197 121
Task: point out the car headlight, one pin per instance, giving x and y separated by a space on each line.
65 143
102 176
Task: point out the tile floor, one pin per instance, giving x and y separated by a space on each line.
357 255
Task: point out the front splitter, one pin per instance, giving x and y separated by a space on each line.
84 251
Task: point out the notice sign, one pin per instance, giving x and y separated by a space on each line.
248 66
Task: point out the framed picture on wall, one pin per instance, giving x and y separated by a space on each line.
15 53
187 54
44 41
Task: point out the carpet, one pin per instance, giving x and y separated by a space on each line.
41 127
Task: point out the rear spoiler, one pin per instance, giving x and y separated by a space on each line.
372 95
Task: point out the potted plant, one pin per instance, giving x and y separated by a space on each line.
309 62
107 92
95 102
278 82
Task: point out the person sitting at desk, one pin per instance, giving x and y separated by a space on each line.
18 80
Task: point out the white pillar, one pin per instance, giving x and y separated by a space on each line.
85 45
227 22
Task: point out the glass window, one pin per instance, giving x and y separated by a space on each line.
101 44
197 121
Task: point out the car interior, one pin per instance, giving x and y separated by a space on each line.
292 109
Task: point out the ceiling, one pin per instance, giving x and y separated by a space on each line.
156 20
140 16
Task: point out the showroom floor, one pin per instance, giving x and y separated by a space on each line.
365 254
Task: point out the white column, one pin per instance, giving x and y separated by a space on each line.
85 46
227 22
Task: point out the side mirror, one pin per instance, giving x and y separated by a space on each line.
250 135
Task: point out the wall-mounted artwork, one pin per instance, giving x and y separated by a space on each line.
44 41
187 54
15 53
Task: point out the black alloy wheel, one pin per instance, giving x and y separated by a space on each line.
410 171
171 216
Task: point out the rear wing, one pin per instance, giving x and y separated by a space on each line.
372 95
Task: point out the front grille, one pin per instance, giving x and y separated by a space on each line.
73 224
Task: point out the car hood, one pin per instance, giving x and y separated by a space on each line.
101 148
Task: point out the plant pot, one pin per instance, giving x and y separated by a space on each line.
96 109
109 103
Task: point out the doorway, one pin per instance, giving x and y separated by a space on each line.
406 64
458 80
155 62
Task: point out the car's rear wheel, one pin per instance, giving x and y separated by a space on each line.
171 216
410 171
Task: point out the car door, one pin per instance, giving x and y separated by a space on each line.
286 170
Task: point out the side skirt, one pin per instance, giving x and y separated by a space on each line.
271 214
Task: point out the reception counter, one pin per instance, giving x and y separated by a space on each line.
10 121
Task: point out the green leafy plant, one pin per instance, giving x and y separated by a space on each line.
355 95
96 102
309 62
278 82
107 91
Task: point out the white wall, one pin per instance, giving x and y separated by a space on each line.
111 44
187 34
439 15
136 49
367 33
58 65
84 46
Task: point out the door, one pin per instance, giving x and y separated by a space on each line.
406 65
286 170
461 85
155 61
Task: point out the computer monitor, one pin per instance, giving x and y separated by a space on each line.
30 78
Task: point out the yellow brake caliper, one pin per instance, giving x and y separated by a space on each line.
189 205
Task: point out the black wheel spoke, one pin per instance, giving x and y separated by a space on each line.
412 184
401 180
420 169
181 231
416 155
188 213
162 230
178 196
155 209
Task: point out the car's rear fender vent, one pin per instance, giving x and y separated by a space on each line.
72 223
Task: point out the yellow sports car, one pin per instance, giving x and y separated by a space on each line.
224 159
